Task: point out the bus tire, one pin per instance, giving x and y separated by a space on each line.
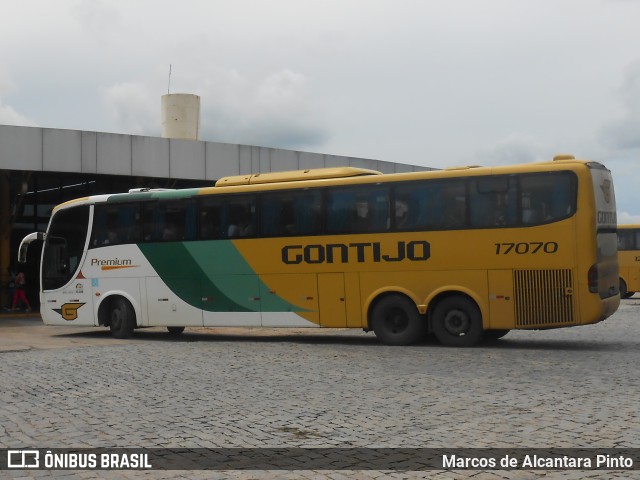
396 321
457 322
175 330
122 318
492 335
624 292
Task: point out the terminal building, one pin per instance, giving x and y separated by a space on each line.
43 167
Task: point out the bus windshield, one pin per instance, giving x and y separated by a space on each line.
64 246
603 277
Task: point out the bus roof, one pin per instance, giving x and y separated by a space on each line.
323 177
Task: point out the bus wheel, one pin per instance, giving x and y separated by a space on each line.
457 322
122 318
491 335
396 321
624 293
623 289
175 330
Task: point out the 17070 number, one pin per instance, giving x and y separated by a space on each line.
524 248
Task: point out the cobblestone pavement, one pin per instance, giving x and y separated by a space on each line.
575 387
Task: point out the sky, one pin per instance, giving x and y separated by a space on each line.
435 83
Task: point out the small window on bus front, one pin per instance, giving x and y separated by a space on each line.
115 224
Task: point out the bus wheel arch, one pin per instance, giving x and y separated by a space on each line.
395 319
455 318
117 313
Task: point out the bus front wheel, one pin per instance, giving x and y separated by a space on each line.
457 322
122 318
396 321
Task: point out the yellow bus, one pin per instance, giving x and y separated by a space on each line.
463 254
629 259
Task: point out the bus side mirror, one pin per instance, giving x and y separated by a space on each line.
24 245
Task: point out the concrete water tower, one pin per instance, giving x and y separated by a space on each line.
181 116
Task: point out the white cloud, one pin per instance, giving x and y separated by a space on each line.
515 148
9 116
625 218
624 133
96 16
7 85
133 109
275 110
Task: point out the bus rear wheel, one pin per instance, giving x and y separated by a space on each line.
175 330
122 318
457 322
396 321
624 292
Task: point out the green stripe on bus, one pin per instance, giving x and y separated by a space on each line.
212 276
166 195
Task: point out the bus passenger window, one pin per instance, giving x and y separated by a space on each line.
210 218
493 202
626 240
240 218
115 224
307 213
172 229
112 228
454 214
546 197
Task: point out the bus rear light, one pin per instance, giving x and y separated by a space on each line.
592 279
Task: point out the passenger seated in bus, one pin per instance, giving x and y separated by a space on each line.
233 231
361 222
500 209
454 214
242 228
169 232
402 214
534 212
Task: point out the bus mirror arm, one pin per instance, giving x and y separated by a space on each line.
24 245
